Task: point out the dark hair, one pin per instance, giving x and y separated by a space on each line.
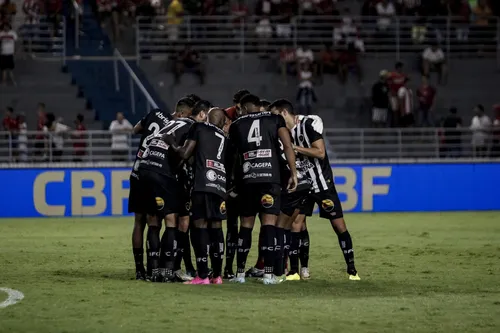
200 106
480 107
80 117
239 94
194 97
399 65
282 104
184 102
10 109
50 118
41 105
250 99
264 103
453 110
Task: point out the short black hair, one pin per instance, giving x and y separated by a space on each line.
250 99
264 103
200 106
50 117
41 105
239 94
453 110
80 117
399 65
10 109
194 97
282 104
480 107
184 102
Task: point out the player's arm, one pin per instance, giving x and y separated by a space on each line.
185 151
314 130
138 128
284 136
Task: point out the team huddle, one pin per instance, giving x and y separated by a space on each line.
204 164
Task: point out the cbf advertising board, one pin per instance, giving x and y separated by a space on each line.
362 188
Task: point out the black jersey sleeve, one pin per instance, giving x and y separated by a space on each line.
314 129
192 134
280 122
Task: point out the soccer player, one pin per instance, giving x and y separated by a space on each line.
148 127
232 199
255 137
185 176
307 132
183 108
207 143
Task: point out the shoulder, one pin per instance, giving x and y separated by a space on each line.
315 123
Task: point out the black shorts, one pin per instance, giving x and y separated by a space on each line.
292 201
134 195
159 195
258 198
328 202
207 206
6 62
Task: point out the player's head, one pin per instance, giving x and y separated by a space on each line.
200 110
250 104
399 66
479 109
183 107
194 97
264 104
284 108
237 98
217 117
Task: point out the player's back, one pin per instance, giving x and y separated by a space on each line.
255 137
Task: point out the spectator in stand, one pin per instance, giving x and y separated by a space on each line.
380 101
120 130
346 32
460 12
265 8
482 30
264 31
304 54
79 139
53 10
386 12
39 138
433 60
8 10
495 148
452 142
9 121
409 7
239 12
175 11
305 94
395 80
481 128
426 97
330 62
369 8
482 13
307 7
350 59
405 117
286 10
31 10
419 31
55 142
288 62
8 38
22 139
189 59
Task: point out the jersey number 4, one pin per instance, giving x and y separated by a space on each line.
254 133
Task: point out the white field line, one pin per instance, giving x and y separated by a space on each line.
13 297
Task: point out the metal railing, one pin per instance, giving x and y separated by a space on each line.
226 34
43 38
133 80
342 144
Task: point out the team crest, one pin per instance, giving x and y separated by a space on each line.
267 201
327 205
159 203
222 208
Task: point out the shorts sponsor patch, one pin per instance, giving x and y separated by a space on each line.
327 205
259 153
267 201
159 203
222 207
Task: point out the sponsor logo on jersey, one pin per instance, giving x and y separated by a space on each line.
259 153
264 165
327 205
159 203
211 164
158 143
160 116
254 175
267 201
222 208
211 175
157 154
217 186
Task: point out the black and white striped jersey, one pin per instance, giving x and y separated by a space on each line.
307 130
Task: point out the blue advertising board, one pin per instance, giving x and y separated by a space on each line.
362 188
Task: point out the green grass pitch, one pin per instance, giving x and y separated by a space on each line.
420 273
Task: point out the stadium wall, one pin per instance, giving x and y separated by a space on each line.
103 191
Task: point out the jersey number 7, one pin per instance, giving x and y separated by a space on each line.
254 133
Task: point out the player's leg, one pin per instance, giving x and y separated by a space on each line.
304 251
140 222
217 210
258 269
168 247
331 208
183 246
231 236
293 273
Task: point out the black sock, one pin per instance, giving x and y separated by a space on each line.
153 246
168 247
181 245
345 242
259 264
279 250
268 246
216 250
188 263
244 245
231 242
294 252
139 259
202 252
304 248
286 248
